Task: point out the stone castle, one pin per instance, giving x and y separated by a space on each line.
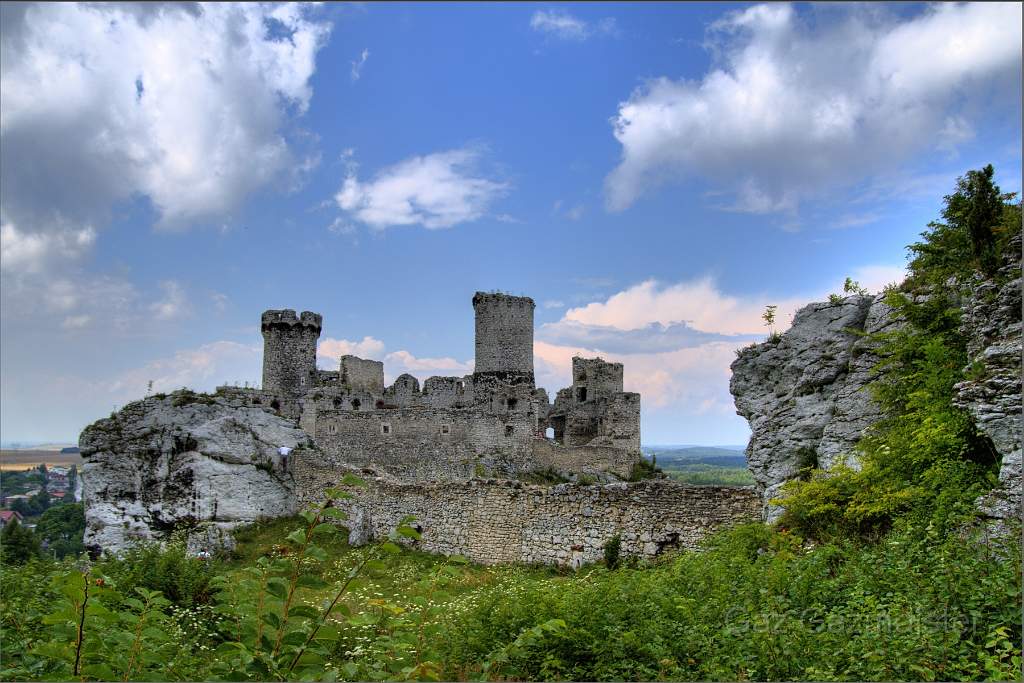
489 467
490 423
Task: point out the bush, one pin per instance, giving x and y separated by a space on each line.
611 551
168 568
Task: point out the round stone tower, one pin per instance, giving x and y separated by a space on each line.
289 351
504 337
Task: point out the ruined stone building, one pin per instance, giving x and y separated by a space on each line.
485 463
490 423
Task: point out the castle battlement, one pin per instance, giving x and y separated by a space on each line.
497 298
286 318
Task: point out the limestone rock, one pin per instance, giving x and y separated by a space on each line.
184 461
804 394
991 322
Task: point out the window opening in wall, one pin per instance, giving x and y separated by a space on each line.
549 433
334 429
581 394
355 404
512 403
460 386
380 404
385 429
509 429
446 429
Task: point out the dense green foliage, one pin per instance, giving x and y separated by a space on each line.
60 530
18 544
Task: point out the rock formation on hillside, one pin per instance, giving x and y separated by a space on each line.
804 393
992 393
184 461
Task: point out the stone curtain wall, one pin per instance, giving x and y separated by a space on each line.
504 335
417 446
497 521
549 454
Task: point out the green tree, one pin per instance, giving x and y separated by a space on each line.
62 528
17 544
975 219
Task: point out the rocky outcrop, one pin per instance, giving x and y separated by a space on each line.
804 392
991 322
184 461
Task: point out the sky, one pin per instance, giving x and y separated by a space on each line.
653 175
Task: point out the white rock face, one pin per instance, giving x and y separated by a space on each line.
805 394
992 323
184 461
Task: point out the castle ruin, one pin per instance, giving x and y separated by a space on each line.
490 423
468 457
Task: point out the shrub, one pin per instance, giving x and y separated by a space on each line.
611 551
168 568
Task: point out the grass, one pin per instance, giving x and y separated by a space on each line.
710 475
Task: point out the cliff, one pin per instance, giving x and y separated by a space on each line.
184 461
991 323
805 393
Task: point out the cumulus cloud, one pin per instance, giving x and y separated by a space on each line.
436 191
792 108
27 252
184 104
676 340
201 369
559 23
654 337
398 362
329 351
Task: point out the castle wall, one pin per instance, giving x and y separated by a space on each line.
289 351
491 521
448 392
358 374
423 443
589 459
504 336
596 378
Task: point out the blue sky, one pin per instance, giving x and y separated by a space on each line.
652 174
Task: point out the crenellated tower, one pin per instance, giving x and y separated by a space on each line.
289 351
504 337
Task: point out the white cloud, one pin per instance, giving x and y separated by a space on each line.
357 66
559 23
436 191
174 303
676 340
32 252
553 303
794 108
398 362
183 104
329 351
201 369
